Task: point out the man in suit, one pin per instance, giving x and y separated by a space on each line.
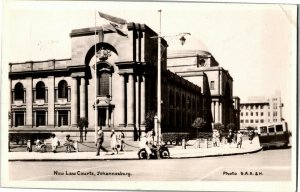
99 142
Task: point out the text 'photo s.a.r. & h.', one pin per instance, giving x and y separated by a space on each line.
139 95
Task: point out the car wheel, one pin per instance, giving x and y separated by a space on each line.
142 154
165 154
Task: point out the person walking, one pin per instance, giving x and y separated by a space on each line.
239 139
99 142
54 142
229 137
122 142
114 142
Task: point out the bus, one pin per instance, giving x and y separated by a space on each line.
273 134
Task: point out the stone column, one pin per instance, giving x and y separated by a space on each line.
220 113
28 101
121 95
51 100
74 102
82 98
130 100
143 97
137 109
213 111
106 119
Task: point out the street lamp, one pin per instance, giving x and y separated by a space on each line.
157 119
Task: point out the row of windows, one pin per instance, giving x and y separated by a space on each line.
251 113
19 91
252 107
252 121
40 120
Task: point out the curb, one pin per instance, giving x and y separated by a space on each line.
116 159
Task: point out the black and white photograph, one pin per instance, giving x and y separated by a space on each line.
186 96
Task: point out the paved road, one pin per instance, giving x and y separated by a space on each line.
270 165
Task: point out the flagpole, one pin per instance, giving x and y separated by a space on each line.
96 109
159 82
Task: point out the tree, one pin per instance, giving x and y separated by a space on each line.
83 123
199 123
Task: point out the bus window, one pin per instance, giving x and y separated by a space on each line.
271 130
263 129
279 128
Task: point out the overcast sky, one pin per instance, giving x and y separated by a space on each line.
255 42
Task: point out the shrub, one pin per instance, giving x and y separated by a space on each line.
175 137
27 136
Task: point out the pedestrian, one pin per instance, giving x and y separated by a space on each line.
114 142
239 139
149 137
214 138
54 142
122 142
229 137
69 144
99 142
251 136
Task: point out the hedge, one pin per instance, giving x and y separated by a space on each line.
175 137
27 136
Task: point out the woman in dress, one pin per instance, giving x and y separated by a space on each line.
114 142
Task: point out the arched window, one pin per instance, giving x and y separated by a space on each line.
19 92
40 90
62 89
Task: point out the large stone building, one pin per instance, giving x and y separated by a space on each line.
258 110
195 63
110 79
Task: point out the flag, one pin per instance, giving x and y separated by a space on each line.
115 24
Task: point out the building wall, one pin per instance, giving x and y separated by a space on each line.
131 65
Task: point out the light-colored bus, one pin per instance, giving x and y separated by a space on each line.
273 134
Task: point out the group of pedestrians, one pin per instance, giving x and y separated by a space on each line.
117 141
232 138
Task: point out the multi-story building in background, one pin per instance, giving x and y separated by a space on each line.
258 110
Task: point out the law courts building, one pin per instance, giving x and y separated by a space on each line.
111 80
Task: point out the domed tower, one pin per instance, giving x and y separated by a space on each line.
193 61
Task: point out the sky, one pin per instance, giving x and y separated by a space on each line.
256 43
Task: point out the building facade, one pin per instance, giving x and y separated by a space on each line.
258 110
193 61
111 80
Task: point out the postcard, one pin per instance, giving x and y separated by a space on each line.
185 96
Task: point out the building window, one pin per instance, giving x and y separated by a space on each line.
212 85
251 113
104 84
246 113
256 113
62 118
251 107
19 118
63 89
262 114
40 118
269 114
247 121
256 120
19 92
40 90
242 120
262 121
241 113
251 121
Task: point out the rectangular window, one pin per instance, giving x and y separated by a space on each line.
262 114
251 121
212 85
269 114
246 113
63 118
256 120
247 121
242 121
256 113
262 121
263 129
40 118
271 129
104 84
19 118
279 128
241 113
251 113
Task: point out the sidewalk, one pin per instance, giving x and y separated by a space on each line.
176 152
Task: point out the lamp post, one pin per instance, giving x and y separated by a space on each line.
157 119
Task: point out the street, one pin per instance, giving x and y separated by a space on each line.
269 165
